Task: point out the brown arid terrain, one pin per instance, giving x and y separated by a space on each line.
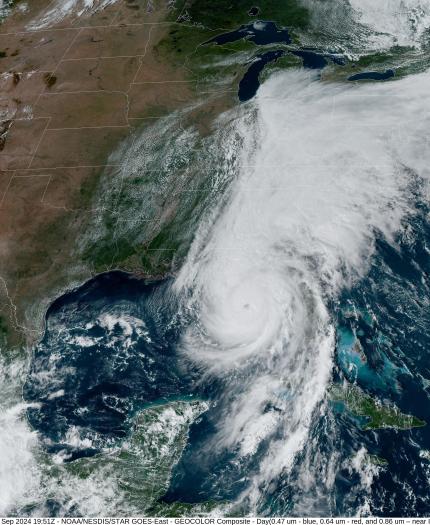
72 90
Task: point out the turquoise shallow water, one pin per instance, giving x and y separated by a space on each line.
116 345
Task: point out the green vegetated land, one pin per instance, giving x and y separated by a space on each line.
228 14
153 218
376 414
403 60
156 241
140 469
150 217
202 20
152 234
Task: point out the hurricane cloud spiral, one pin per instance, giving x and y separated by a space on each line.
323 169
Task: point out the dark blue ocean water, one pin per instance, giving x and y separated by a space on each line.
392 322
105 383
373 75
311 59
250 82
265 32
110 347
262 32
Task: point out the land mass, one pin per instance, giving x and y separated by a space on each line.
79 91
376 414
86 181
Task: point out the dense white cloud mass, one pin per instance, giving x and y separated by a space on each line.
361 26
396 22
324 166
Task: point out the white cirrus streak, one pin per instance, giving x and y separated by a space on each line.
324 166
59 10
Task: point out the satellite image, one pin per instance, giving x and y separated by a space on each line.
214 258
